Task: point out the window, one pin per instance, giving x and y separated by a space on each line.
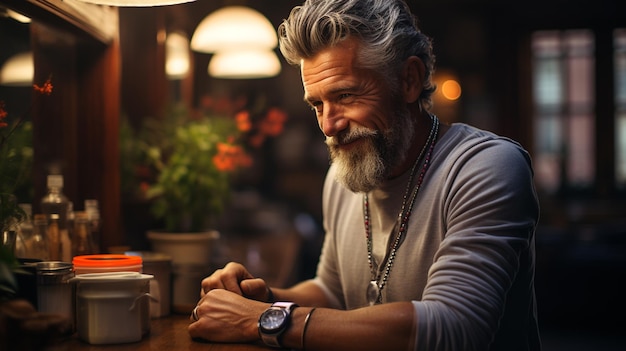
563 95
619 45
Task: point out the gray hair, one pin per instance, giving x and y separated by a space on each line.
387 29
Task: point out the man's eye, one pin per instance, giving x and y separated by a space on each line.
345 96
315 105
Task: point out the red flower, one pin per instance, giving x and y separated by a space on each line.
273 123
243 121
46 88
3 115
230 157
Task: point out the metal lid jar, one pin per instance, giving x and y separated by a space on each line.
55 291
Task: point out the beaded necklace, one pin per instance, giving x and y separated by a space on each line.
376 285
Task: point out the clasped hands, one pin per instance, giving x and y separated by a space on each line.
231 301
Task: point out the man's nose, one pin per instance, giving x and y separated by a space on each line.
332 122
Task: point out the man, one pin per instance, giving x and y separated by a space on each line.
429 228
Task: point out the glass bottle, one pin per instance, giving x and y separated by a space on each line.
24 232
56 203
81 243
34 236
67 237
66 246
55 248
93 214
39 240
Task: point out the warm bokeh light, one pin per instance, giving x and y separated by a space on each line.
176 55
18 70
244 64
137 3
234 28
451 89
17 16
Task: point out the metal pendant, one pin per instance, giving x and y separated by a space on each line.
373 292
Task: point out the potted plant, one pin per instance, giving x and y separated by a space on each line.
183 165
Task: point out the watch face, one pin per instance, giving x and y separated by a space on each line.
273 319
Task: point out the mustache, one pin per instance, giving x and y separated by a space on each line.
351 135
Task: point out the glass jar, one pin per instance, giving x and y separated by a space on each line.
55 291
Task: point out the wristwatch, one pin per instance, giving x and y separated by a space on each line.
274 321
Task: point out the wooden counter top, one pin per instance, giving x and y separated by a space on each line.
166 333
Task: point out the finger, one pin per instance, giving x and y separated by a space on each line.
201 330
238 270
232 285
255 289
232 275
227 278
195 316
212 282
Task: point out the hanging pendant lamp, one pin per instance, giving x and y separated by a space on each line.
234 27
18 70
244 64
242 41
136 3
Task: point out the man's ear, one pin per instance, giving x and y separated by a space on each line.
412 78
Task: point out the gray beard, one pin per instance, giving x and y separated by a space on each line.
370 163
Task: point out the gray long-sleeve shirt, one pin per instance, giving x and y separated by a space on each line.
467 261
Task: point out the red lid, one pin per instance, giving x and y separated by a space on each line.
106 260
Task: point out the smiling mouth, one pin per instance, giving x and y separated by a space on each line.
350 139
343 142
350 144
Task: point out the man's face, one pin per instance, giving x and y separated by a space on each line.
367 125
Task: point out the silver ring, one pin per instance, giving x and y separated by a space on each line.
194 314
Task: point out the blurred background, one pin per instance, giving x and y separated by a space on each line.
550 74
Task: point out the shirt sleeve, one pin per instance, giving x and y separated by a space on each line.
327 275
490 213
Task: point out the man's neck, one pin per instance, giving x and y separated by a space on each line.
422 129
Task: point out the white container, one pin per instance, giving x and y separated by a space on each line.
112 308
160 266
